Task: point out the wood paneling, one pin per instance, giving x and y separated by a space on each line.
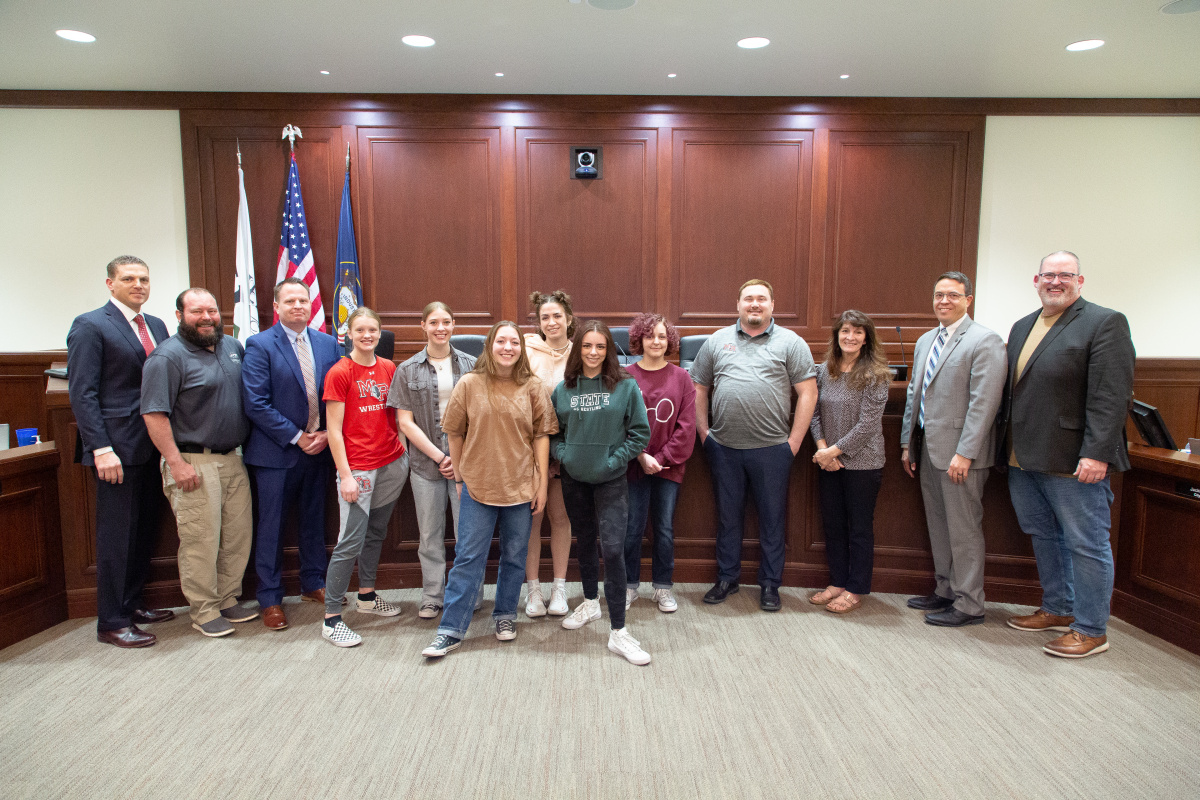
1172 385
742 206
594 237
22 383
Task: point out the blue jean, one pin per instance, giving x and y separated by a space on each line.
1068 523
765 470
476 521
651 497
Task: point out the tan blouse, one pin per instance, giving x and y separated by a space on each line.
497 462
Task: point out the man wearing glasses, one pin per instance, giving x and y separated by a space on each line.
1070 380
948 437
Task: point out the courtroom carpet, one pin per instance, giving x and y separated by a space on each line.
737 704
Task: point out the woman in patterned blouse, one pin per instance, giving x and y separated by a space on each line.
847 426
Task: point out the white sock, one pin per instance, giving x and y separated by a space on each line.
535 586
561 583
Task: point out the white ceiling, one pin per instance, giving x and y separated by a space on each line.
898 48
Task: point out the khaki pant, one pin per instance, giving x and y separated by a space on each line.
215 529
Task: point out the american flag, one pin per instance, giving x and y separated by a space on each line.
295 251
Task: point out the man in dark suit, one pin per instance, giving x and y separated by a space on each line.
946 436
1070 380
283 378
106 349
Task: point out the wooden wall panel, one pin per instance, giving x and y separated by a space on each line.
596 238
1172 385
742 210
430 223
895 221
22 384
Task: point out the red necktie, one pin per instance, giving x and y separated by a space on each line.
144 334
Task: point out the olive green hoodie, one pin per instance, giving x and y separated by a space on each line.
599 432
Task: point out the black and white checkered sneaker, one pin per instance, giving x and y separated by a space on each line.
340 635
377 606
441 645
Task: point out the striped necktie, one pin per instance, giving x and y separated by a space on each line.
144 334
310 383
933 360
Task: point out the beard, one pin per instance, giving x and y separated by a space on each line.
192 334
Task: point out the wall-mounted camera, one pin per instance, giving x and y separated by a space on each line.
586 163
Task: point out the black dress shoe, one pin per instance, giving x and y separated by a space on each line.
952 618
719 591
151 615
127 637
769 599
930 602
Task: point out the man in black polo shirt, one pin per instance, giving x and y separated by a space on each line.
192 404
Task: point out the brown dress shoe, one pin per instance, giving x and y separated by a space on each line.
152 615
127 637
1041 620
1076 645
274 618
315 596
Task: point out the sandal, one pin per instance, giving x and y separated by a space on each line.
825 595
844 603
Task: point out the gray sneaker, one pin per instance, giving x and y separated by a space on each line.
215 627
239 613
506 630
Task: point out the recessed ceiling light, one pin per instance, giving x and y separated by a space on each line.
670 74
76 36
499 74
324 72
754 42
416 40
1181 7
612 5
1086 44
843 77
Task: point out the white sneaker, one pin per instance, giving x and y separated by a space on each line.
558 601
622 643
429 611
340 635
535 604
506 631
666 600
377 606
630 595
584 613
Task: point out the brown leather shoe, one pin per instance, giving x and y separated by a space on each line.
1076 645
151 615
274 618
318 596
1041 620
127 637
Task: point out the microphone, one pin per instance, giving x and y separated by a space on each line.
900 371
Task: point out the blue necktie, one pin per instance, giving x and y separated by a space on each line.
933 360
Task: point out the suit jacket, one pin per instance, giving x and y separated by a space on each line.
963 396
1071 400
104 380
273 393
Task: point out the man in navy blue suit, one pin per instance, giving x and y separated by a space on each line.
106 349
283 379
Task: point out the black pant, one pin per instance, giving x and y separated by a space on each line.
848 512
127 517
600 510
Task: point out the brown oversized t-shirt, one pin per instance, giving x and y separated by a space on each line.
497 461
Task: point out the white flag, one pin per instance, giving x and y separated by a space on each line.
245 301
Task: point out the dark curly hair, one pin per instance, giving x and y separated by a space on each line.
537 300
643 325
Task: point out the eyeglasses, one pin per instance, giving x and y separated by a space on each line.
953 297
1063 277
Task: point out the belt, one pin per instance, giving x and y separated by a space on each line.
196 448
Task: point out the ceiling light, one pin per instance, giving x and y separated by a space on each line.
499 74
1181 7
416 40
1086 44
670 74
754 42
612 5
324 72
843 77
76 36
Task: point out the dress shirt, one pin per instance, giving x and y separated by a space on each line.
129 315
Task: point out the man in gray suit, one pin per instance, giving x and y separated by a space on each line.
948 437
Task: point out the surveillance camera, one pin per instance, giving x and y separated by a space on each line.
586 162
586 158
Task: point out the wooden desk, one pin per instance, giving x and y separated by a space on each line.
32 596
1158 562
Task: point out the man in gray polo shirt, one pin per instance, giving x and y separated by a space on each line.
746 372
192 405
